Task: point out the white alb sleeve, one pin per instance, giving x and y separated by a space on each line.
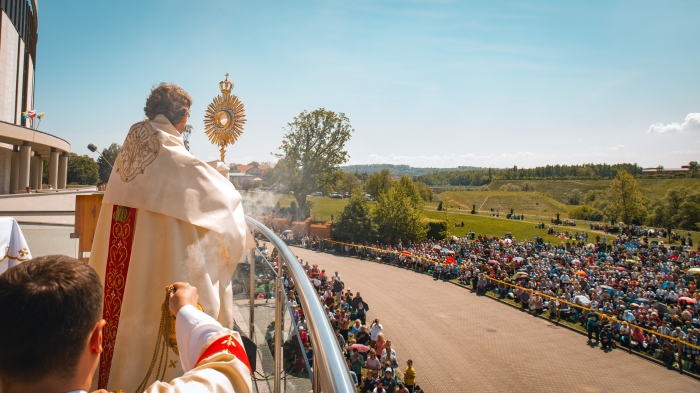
193 328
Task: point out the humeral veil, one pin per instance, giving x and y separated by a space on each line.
166 217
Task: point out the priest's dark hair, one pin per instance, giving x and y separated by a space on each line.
48 307
168 100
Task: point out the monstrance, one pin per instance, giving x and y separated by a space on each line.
225 117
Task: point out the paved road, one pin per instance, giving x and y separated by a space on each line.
460 342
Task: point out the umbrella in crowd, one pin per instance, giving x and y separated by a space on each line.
620 268
606 287
581 273
518 259
492 262
406 253
687 300
359 347
519 275
450 260
694 270
582 299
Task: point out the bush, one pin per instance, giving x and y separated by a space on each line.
437 229
510 187
586 213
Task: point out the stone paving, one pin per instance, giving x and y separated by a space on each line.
460 342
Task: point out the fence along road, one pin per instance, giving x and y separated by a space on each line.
460 342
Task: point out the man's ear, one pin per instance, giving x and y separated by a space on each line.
96 337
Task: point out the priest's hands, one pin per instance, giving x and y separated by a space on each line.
182 295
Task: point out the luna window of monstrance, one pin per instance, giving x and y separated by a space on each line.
224 119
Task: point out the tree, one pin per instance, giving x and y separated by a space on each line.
349 183
311 153
574 197
354 224
82 170
186 134
528 186
626 203
679 208
693 168
425 192
379 183
398 213
110 154
586 213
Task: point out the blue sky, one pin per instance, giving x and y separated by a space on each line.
424 83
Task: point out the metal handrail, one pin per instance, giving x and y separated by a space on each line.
331 366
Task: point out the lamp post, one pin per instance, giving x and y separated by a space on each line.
93 149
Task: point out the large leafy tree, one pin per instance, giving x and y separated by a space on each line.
666 213
354 224
379 183
311 154
425 192
693 168
349 183
110 154
626 202
82 170
398 213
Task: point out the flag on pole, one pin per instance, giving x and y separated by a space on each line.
41 115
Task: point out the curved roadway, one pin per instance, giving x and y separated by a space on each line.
460 342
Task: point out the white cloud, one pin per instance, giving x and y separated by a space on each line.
617 147
691 123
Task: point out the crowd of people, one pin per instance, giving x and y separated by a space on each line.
370 356
630 289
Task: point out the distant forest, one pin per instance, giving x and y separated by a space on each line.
399 170
478 177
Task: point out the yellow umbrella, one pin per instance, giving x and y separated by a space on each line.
694 270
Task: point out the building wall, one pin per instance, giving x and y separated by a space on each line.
9 38
5 167
19 107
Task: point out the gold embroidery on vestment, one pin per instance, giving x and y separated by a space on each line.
140 148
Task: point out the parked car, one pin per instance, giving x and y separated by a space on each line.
317 193
335 196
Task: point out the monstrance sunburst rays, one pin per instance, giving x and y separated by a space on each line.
224 119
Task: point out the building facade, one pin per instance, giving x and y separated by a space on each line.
23 150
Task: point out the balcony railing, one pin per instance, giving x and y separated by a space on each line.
272 327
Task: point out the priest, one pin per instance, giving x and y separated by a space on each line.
166 217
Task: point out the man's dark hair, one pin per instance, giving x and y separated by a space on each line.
48 307
168 100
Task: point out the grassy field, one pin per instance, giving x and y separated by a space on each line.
557 189
527 203
482 224
502 201
322 207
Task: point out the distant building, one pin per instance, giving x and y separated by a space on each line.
665 171
246 174
23 149
255 170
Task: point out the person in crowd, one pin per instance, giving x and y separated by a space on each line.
606 338
309 352
379 343
368 383
372 362
388 349
388 381
363 336
409 376
375 329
